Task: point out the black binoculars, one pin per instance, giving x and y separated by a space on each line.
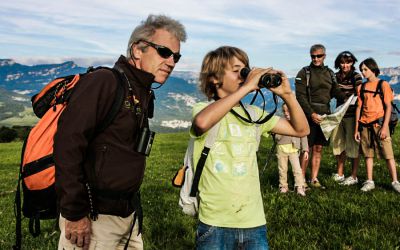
266 81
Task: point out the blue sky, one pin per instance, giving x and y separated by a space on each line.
274 33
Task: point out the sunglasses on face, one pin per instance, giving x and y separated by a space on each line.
163 51
346 54
317 56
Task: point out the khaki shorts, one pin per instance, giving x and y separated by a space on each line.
343 138
108 232
383 148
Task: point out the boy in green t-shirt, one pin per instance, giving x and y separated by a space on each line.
231 211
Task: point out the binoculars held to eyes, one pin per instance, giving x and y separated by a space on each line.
266 81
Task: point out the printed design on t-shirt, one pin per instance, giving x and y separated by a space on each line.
239 169
219 167
239 149
235 130
219 149
223 132
250 131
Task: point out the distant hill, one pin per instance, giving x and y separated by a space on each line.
174 100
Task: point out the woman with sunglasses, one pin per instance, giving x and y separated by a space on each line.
344 144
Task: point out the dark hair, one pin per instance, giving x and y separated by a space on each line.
372 65
345 57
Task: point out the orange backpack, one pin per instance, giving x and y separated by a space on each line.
37 169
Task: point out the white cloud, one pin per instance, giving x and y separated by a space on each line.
281 31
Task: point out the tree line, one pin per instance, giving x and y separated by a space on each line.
9 134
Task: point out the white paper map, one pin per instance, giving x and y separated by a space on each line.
330 122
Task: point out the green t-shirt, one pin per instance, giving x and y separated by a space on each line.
229 187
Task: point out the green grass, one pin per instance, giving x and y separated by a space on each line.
335 218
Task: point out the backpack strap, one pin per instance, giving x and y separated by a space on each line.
394 106
362 96
379 90
308 87
210 139
332 74
18 205
116 106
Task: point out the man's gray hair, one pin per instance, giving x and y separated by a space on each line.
317 47
147 28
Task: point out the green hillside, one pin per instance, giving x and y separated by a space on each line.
336 218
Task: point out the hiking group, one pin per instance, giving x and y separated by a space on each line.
99 168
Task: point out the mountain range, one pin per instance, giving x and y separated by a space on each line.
173 104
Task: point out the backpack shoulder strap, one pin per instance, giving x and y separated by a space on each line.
362 92
212 135
308 87
332 74
379 89
210 140
118 99
308 75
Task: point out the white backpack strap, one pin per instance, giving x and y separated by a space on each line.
212 135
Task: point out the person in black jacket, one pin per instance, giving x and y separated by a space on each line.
314 96
98 176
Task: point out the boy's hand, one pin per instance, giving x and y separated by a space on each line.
383 132
254 76
284 89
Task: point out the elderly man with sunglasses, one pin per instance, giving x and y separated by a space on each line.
315 86
99 173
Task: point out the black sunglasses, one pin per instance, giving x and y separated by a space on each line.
346 54
163 51
317 56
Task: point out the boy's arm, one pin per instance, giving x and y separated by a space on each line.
388 96
214 112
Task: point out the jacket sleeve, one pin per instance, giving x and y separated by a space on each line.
90 102
301 92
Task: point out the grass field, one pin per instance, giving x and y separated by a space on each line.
336 218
